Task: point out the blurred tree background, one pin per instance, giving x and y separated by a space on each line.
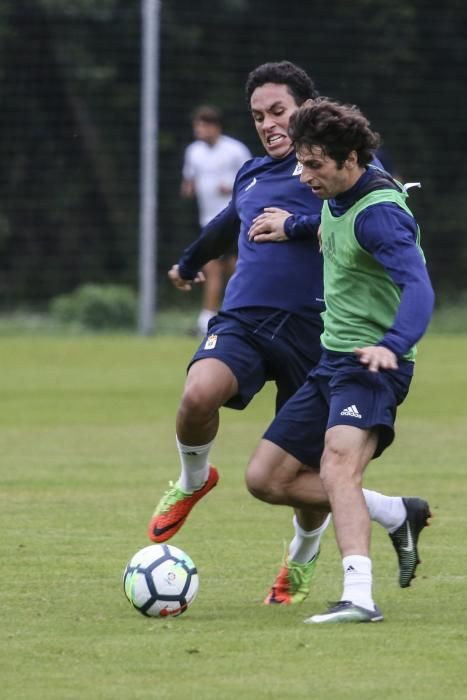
69 123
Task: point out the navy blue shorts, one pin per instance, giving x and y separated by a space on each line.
340 391
261 345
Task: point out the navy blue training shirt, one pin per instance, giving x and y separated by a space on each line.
284 275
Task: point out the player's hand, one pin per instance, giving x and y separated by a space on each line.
269 226
180 283
377 357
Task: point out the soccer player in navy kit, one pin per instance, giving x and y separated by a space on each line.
268 327
379 301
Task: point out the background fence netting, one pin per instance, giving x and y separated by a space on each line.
69 123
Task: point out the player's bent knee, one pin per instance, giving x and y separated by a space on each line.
254 479
257 481
262 484
198 401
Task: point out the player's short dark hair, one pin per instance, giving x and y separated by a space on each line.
336 128
298 82
208 114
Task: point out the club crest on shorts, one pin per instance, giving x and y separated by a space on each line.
210 342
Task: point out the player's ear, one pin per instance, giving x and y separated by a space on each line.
308 102
352 159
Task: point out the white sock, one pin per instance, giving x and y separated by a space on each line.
358 581
194 465
305 545
204 317
388 511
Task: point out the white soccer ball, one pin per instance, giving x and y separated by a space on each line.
160 580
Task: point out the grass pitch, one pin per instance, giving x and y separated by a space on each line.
87 448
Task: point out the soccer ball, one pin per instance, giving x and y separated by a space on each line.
160 580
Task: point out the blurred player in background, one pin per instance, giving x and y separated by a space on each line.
210 165
268 328
379 302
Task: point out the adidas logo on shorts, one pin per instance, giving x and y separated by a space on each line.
351 411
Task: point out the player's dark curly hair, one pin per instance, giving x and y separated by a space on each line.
336 128
298 82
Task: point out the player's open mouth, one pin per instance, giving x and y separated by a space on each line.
317 190
275 139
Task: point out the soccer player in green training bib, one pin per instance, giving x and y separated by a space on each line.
379 301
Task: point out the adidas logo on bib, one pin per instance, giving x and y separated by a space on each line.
351 411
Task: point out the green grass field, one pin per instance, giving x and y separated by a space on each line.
87 447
